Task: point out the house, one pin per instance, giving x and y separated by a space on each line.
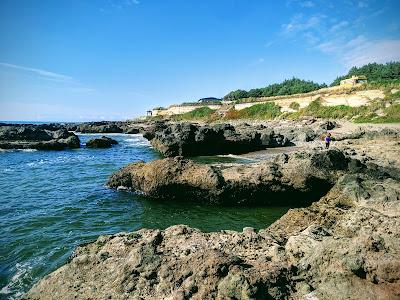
209 99
354 80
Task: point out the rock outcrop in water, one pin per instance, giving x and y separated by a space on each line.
108 127
103 142
97 127
297 178
345 246
40 137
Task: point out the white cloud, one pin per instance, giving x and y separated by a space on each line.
65 80
132 2
298 23
307 4
339 26
360 51
362 4
345 39
40 72
381 51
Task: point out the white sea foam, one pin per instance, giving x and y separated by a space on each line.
15 150
13 289
137 141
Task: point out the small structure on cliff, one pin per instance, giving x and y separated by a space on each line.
209 99
354 80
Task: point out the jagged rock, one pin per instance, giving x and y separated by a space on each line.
41 137
187 139
103 142
100 127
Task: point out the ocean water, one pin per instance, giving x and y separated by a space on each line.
52 201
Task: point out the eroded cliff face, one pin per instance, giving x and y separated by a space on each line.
344 246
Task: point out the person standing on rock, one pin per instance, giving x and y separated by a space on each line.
328 140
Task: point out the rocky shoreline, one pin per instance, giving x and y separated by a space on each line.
40 137
344 246
344 243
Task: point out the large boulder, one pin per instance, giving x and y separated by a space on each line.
297 178
188 139
39 137
103 142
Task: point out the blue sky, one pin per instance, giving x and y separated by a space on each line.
76 60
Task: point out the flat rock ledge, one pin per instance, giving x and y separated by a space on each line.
344 246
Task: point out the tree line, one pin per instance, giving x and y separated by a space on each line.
373 71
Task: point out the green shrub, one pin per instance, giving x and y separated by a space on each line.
260 111
294 106
200 113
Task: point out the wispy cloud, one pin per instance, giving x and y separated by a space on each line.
307 4
258 61
339 26
132 2
43 73
67 81
344 38
299 23
360 51
118 5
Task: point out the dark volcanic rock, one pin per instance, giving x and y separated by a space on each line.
103 142
189 139
41 137
100 127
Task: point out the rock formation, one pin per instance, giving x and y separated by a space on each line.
41 137
190 139
345 246
103 142
297 178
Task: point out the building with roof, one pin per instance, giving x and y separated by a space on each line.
354 80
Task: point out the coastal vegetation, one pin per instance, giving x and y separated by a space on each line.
375 73
287 87
263 111
385 110
201 113
379 111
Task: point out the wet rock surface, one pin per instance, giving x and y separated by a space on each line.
40 137
103 142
